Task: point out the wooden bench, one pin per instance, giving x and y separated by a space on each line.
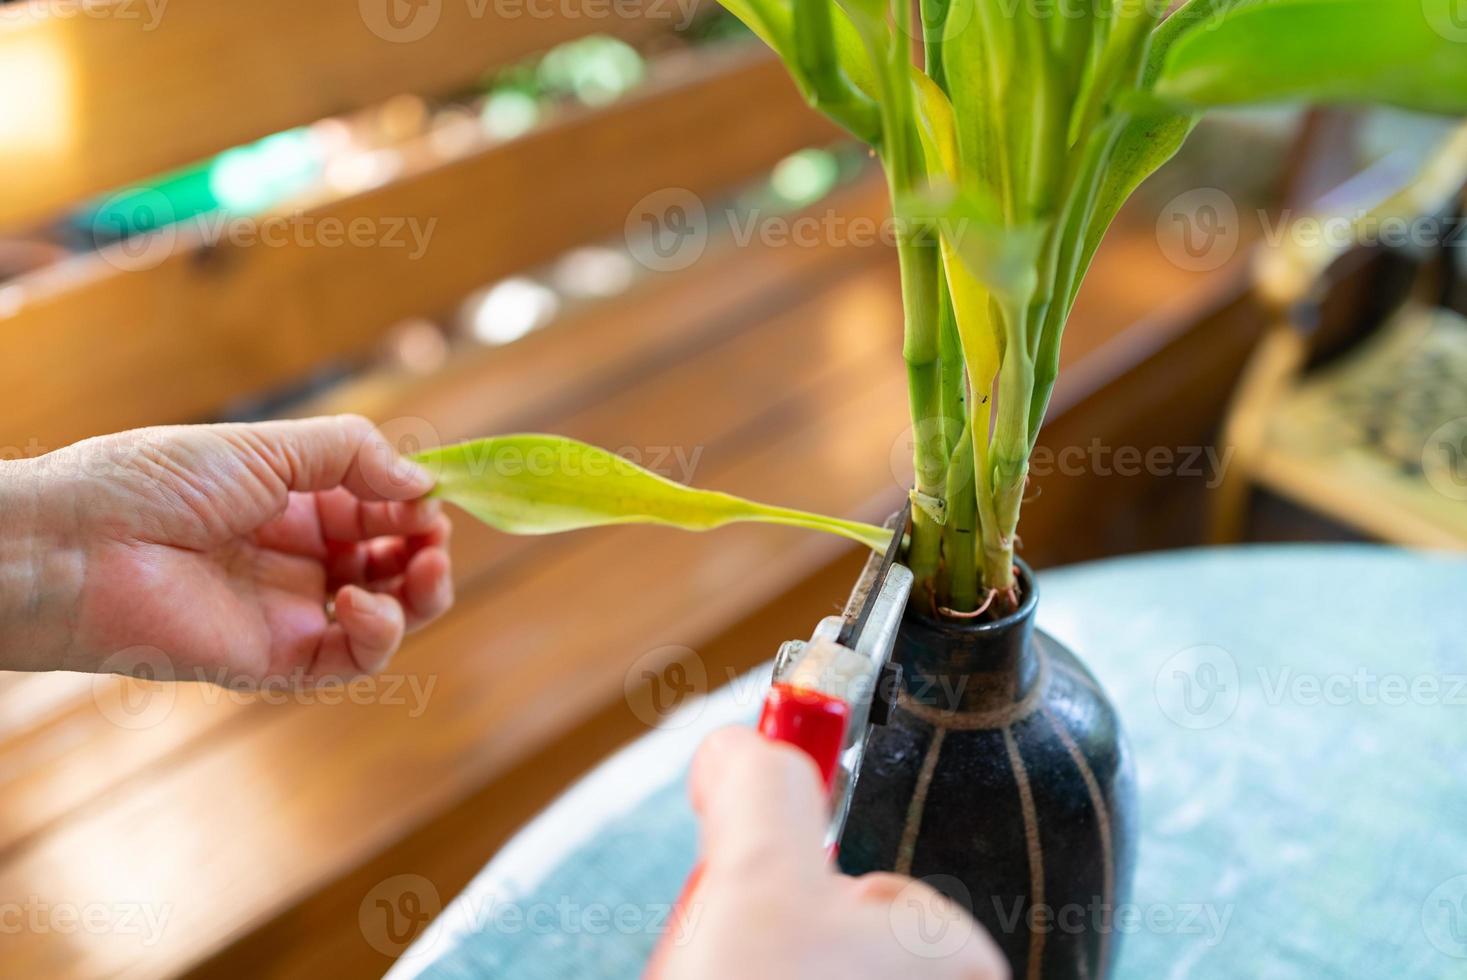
259 827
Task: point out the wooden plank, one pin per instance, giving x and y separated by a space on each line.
125 89
488 389
667 329
95 349
1363 492
496 700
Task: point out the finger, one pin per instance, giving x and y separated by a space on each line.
932 927
313 522
367 632
761 804
424 589
427 586
296 531
332 451
375 564
371 564
345 517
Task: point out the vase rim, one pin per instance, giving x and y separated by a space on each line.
1025 611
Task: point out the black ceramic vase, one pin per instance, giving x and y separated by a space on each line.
1002 778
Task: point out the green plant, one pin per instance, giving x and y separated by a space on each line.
1009 143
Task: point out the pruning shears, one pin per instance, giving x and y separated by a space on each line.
828 692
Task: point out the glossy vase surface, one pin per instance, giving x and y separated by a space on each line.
1003 779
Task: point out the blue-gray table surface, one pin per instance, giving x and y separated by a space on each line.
1298 716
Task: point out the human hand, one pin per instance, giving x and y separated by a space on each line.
769 904
218 547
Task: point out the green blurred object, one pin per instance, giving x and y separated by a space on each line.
595 70
252 178
148 207
805 177
243 180
510 112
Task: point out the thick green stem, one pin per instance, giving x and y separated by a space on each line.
924 386
960 533
993 547
917 255
1068 268
952 377
1010 447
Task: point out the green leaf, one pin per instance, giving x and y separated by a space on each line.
1149 136
976 66
1139 141
543 484
773 21
1406 53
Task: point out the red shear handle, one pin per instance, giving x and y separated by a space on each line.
808 720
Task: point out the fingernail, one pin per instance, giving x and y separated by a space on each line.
409 474
369 603
382 605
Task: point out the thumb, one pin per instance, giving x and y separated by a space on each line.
334 450
761 805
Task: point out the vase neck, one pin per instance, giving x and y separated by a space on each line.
957 667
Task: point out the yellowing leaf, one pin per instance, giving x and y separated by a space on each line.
935 127
977 333
544 484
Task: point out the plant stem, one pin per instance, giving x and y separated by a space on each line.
917 256
924 385
952 379
959 534
1067 267
1010 448
996 555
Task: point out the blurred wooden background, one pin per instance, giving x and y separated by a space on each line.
773 367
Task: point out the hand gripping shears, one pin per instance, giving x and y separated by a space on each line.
828 692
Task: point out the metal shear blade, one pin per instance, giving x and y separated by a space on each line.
847 657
